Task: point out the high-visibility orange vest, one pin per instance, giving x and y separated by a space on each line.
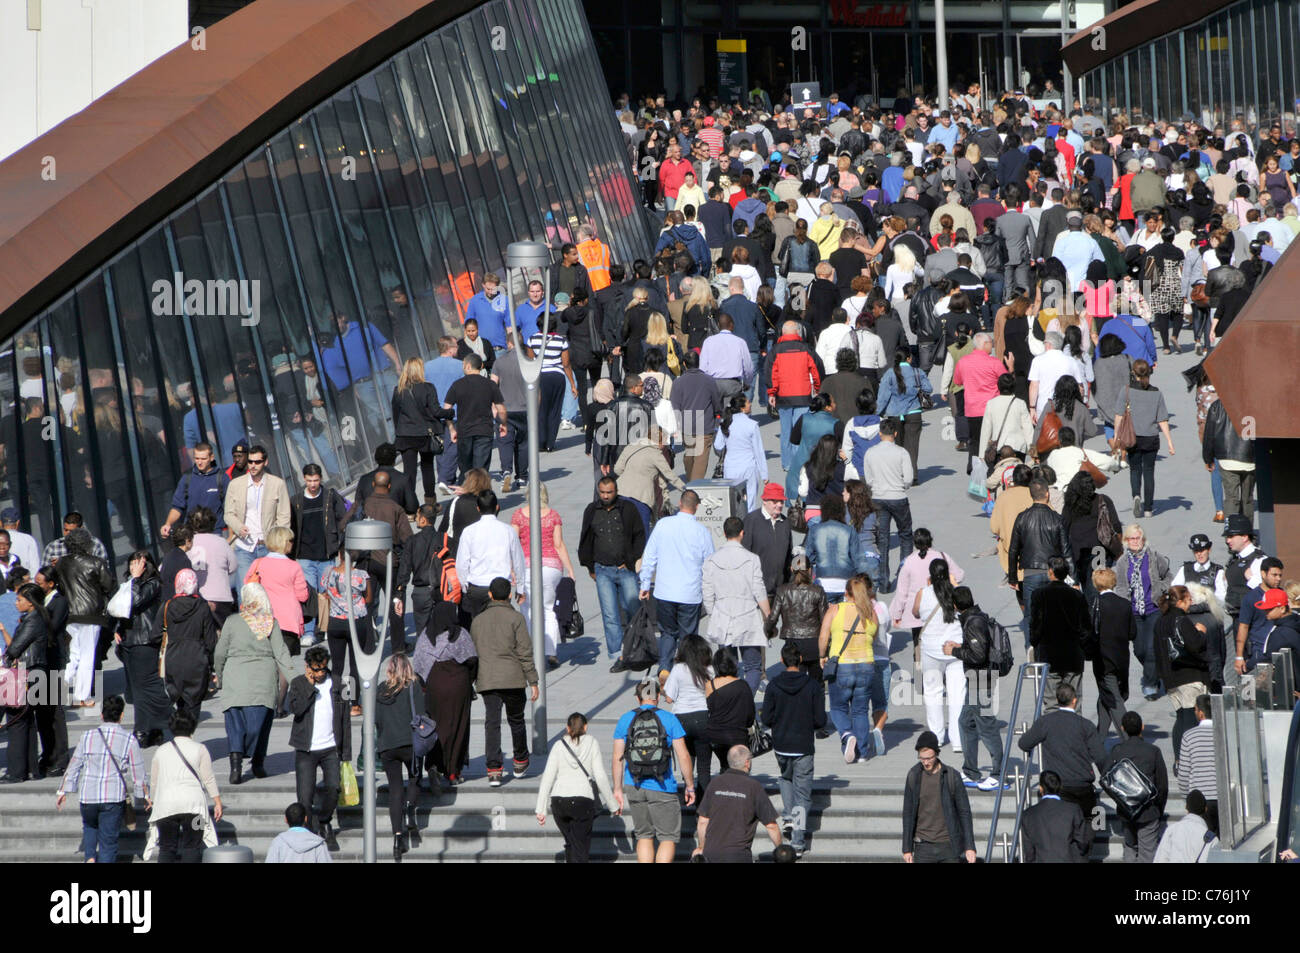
594 255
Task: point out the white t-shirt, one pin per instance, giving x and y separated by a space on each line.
322 724
748 274
884 637
936 632
681 688
1047 368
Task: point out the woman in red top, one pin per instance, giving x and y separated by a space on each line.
1126 215
555 565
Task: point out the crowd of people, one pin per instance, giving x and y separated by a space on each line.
1012 276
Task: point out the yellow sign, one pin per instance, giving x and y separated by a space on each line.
731 46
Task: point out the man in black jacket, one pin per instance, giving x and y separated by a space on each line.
926 324
1115 629
317 516
935 836
978 718
1071 748
609 304
768 536
400 488
88 583
1235 457
1141 833
419 571
699 402
793 708
612 540
1054 831
823 298
1058 626
321 737
1037 535
587 349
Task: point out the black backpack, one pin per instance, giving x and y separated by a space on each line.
1000 657
640 646
647 751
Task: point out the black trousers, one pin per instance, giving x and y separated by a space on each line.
421 603
427 474
1085 796
513 447
574 817
512 699
1169 323
553 385
305 764
339 640
475 601
21 732
52 726
586 378
696 724
180 839
940 852
400 795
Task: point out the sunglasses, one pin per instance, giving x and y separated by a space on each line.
317 668
258 460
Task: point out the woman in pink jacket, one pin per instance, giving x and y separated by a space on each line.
913 576
284 583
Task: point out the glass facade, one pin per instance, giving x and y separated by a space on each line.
1239 62
277 305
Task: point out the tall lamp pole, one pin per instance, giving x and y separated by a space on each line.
363 535
941 52
520 257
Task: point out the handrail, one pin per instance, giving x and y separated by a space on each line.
1038 672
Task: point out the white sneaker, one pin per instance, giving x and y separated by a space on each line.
567 425
956 749
850 750
990 784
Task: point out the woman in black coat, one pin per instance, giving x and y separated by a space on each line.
189 637
1114 630
1081 514
138 642
399 699
26 647
1181 659
417 420
797 616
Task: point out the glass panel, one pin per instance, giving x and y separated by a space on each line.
30 432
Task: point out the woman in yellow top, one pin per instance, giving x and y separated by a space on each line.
849 634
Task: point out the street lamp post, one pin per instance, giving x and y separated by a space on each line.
520 257
369 535
941 52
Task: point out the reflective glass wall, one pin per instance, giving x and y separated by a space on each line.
1241 61
278 305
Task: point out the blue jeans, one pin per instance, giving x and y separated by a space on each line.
1144 649
100 826
900 512
244 559
750 659
617 590
1216 487
788 416
851 701
447 462
313 570
1028 586
978 724
880 688
796 794
758 377
569 411
676 619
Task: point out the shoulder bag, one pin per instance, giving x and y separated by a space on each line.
922 398
129 819
1107 533
1049 435
1125 435
1131 790
1098 478
424 730
832 666
994 445
185 761
595 788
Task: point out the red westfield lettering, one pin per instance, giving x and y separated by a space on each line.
856 13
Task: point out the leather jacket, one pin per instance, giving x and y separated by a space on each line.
88 584
1038 534
1221 441
797 612
28 645
138 630
927 325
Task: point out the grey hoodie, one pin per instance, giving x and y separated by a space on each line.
298 845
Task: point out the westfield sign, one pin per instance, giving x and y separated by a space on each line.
857 13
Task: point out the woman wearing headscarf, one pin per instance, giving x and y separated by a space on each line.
138 642
189 636
599 442
251 659
446 663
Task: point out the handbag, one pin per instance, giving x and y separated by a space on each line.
760 739
1107 535
595 788
1090 468
979 474
922 397
129 819
1049 434
1125 436
13 686
1130 789
119 607
424 730
349 794
994 445
433 443
598 346
798 518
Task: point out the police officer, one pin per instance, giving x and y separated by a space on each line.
1201 570
1242 571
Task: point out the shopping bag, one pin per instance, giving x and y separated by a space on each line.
119 607
979 472
349 795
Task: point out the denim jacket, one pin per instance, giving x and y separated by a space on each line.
834 551
891 403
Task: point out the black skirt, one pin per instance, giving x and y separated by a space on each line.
148 696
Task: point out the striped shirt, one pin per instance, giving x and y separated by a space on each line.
553 353
1196 761
56 549
102 783
713 138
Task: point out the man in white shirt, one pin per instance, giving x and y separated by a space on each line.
255 503
8 559
23 545
1046 369
1201 569
1190 840
488 549
319 719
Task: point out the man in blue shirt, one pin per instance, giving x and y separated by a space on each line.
672 566
747 318
528 315
1076 249
945 132
488 308
443 371
1139 342
346 362
726 357
643 762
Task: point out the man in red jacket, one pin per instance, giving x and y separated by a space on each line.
672 172
796 375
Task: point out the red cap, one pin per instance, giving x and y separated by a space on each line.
1273 599
708 120
774 491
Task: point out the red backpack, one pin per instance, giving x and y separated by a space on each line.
449 579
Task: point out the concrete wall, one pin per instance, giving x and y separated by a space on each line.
56 56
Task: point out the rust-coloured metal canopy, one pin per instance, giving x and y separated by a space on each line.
150 144
1131 26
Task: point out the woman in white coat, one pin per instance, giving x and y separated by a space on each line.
575 774
940 673
180 782
745 458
